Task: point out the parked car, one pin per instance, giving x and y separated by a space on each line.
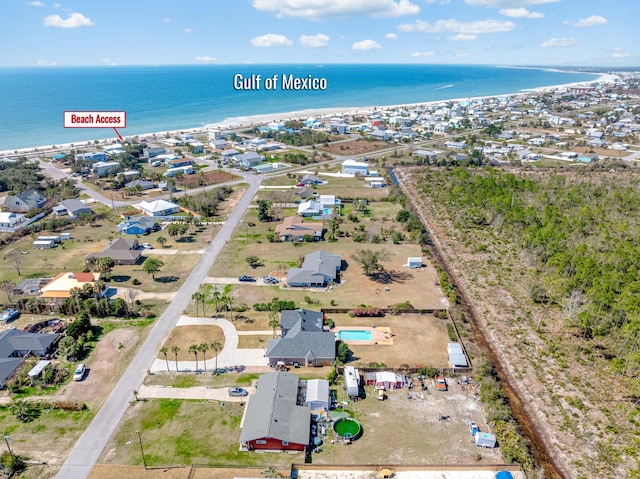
147 245
473 428
270 280
246 278
156 163
237 392
78 375
441 383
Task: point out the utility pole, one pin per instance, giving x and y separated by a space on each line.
144 461
6 439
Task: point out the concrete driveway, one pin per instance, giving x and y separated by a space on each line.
230 358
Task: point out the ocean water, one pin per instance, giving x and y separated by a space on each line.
162 98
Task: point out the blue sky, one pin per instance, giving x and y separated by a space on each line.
152 32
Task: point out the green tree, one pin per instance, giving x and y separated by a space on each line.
23 410
152 266
253 261
370 260
161 240
203 348
164 351
216 347
194 349
264 211
12 463
175 350
81 325
343 352
198 297
273 321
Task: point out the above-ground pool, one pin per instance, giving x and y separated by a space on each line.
327 211
354 335
347 428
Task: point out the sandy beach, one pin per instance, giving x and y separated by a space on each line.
254 120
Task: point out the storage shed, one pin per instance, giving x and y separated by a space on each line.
484 439
414 262
44 244
36 371
456 355
317 395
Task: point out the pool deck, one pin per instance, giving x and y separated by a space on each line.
379 335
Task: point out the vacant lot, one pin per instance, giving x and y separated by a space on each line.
354 147
203 178
185 336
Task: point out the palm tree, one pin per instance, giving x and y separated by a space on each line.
203 348
163 350
175 350
194 349
216 346
198 297
216 299
161 240
273 321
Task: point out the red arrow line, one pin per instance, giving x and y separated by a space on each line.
117 133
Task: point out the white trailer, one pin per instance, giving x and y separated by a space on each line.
352 381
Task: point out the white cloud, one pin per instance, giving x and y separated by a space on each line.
367 45
45 63
618 54
591 21
461 37
314 41
558 42
188 30
57 5
322 9
423 54
452 25
271 40
35 3
166 20
204 59
461 53
391 36
507 3
75 20
108 61
519 13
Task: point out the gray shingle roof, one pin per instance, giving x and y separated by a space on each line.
272 411
322 345
7 367
73 205
305 319
322 262
13 340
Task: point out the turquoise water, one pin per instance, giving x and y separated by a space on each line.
355 335
161 98
327 211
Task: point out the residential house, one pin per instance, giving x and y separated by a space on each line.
130 175
179 162
10 221
121 251
15 345
306 192
381 135
92 156
60 287
218 144
104 168
303 340
248 160
173 142
151 151
339 128
455 145
159 208
115 149
137 225
142 184
227 155
441 128
184 170
293 228
427 154
353 167
318 270
274 421
310 179
309 208
72 207
196 147
25 201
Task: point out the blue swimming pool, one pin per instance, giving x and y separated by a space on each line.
327 211
355 335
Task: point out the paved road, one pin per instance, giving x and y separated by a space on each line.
87 450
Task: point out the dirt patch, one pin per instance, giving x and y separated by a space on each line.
353 147
185 336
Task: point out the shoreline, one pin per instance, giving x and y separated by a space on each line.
259 119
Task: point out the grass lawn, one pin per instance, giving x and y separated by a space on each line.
176 432
253 341
182 379
175 270
185 336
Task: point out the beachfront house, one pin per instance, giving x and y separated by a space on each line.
92 156
353 167
273 420
303 342
25 201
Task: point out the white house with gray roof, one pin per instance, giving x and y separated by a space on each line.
274 421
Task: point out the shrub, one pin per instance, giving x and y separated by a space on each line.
368 312
136 281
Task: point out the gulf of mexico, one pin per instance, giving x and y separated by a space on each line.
161 98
